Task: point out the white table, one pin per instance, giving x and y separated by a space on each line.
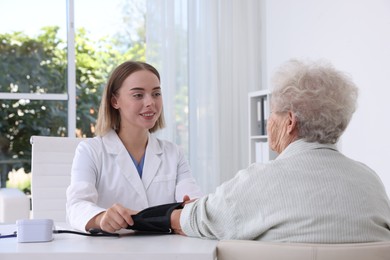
128 246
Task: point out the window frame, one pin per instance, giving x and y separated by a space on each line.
70 96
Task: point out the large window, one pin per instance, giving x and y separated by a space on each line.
54 62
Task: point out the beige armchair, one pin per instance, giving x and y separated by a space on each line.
251 250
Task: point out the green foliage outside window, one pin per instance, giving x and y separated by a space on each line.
39 65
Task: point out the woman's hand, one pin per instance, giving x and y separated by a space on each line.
175 216
186 200
175 222
113 219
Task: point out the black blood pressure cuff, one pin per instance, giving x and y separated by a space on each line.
155 219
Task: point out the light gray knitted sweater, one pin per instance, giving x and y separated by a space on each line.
311 193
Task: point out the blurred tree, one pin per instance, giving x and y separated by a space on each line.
31 66
38 65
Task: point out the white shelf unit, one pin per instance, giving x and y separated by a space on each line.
258 110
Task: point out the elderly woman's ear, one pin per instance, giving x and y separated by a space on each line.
292 124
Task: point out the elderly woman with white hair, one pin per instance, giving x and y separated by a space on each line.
311 192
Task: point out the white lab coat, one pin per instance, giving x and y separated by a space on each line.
103 173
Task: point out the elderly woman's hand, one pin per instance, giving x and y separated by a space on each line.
175 222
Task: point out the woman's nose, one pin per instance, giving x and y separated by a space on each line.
149 100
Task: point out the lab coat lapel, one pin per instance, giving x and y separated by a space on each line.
152 161
127 168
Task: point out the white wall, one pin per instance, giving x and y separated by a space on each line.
355 36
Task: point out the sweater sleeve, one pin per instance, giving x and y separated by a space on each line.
220 215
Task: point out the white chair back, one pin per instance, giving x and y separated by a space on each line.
255 250
51 164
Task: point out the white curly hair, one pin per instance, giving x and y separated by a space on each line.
322 98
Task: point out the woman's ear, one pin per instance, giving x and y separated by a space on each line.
292 123
114 102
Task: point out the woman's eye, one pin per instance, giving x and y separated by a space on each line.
137 95
157 94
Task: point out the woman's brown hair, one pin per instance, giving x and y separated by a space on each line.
109 117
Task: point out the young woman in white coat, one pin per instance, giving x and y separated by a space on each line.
125 168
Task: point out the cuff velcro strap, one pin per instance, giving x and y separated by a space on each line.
155 219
